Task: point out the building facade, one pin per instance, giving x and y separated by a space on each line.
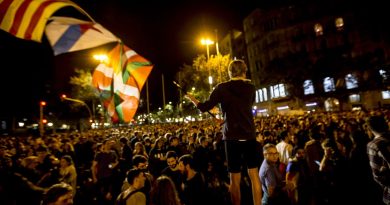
326 55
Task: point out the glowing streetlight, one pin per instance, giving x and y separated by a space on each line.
102 58
91 117
207 42
41 120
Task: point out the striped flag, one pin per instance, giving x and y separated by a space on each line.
26 19
120 82
67 34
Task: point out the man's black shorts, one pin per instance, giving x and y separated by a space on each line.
239 153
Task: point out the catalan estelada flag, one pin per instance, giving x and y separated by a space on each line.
67 34
120 82
26 19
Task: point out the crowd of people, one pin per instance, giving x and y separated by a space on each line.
318 158
314 159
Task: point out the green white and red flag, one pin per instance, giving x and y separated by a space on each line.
120 81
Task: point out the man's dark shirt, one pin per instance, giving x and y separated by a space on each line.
236 98
177 178
195 191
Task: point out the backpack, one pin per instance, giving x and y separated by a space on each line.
122 201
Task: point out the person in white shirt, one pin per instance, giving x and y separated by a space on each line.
284 148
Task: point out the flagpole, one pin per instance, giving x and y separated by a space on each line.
180 97
147 97
163 90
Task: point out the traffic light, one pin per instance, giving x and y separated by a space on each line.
63 96
44 121
42 103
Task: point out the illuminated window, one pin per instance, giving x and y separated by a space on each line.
351 81
384 74
278 91
339 23
386 94
354 98
258 96
308 87
329 84
261 95
265 94
318 29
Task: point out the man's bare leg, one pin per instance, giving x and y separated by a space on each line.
256 185
234 188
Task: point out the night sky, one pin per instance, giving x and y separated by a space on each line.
165 32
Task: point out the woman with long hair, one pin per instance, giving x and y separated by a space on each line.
164 192
68 172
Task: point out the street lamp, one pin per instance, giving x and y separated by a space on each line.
41 128
102 58
208 42
64 97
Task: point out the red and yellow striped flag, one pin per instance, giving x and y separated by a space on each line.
26 19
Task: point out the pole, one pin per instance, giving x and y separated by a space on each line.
208 68
208 51
216 41
83 103
219 57
163 89
93 111
41 128
180 97
147 97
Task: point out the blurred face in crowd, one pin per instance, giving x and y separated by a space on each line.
139 181
172 162
271 155
300 154
143 165
175 142
108 145
182 167
66 199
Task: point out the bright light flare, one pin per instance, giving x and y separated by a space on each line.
101 57
204 41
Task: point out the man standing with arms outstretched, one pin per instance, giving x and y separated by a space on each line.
236 98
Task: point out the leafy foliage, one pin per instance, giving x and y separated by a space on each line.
82 86
197 75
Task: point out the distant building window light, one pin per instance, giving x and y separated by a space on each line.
278 91
258 96
384 74
308 87
318 29
311 104
386 94
261 95
329 84
263 110
354 98
339 23
282 108
351 81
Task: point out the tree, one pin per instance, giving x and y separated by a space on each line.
196 75
82 88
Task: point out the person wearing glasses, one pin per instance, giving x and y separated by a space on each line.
271 179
